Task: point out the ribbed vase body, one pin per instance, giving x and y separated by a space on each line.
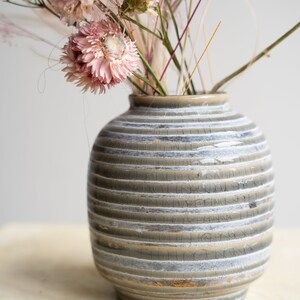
180 197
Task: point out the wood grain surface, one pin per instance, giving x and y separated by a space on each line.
54 262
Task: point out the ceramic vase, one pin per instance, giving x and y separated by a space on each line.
180 200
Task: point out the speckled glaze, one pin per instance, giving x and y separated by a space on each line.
180 197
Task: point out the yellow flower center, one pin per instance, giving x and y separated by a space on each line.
114 45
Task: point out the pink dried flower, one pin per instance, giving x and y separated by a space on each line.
99 56
72 12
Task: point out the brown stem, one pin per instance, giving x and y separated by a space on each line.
180 39
254 60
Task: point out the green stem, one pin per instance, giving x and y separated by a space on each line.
32 5
50 10
180 46
39 4
254 60
141 26
151 71
167 42
148 82
137 86
144 39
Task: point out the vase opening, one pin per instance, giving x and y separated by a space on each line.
175 101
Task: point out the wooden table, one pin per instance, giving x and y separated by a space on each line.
54 262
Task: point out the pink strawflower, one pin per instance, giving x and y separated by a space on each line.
99 56
72 12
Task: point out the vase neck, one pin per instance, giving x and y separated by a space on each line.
178 101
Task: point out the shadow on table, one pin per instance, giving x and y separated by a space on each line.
41 278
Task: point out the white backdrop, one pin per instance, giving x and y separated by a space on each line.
47 125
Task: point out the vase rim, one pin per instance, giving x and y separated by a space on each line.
174 101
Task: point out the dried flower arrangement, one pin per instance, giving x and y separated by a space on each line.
129 40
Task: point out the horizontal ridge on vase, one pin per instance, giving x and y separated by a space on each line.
180 199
